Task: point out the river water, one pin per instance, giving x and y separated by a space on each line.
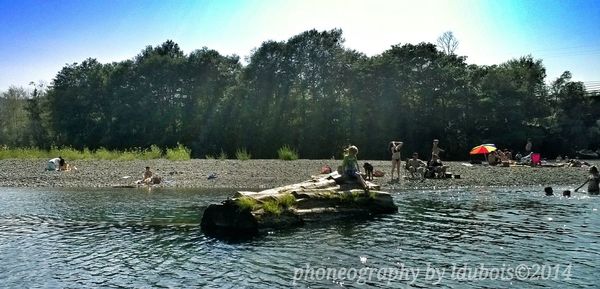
134 238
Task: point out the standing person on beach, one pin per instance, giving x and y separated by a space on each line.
593 181
528 146
436 150
395 147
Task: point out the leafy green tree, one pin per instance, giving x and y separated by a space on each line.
573 123
13 117
208 80
37 132
78 104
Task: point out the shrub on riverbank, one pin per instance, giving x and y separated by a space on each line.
180 153
242 155
221 156
286 153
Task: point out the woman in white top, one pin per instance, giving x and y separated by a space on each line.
53 164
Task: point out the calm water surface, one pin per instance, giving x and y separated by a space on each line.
138 239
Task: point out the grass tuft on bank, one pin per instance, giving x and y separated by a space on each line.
68 153
180 153
287 153
242 154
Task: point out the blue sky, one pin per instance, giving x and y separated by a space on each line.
39 37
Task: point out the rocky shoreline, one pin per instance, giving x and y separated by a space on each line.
262 174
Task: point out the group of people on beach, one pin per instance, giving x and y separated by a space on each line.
500 157
434 168
505 158
59 164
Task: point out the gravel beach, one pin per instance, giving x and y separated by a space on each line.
262 174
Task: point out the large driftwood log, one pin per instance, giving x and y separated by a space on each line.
327 182
272 193
322 197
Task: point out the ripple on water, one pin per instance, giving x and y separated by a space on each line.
107 238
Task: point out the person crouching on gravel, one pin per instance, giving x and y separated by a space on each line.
54 164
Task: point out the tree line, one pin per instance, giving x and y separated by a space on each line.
310 93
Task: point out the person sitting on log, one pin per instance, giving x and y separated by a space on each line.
351 168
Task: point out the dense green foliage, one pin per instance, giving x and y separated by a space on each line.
309 92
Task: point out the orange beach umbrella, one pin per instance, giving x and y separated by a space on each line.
483 149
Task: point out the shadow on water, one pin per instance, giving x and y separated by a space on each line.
232 238
347 227
344 227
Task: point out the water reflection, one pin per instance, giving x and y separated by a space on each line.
135 238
